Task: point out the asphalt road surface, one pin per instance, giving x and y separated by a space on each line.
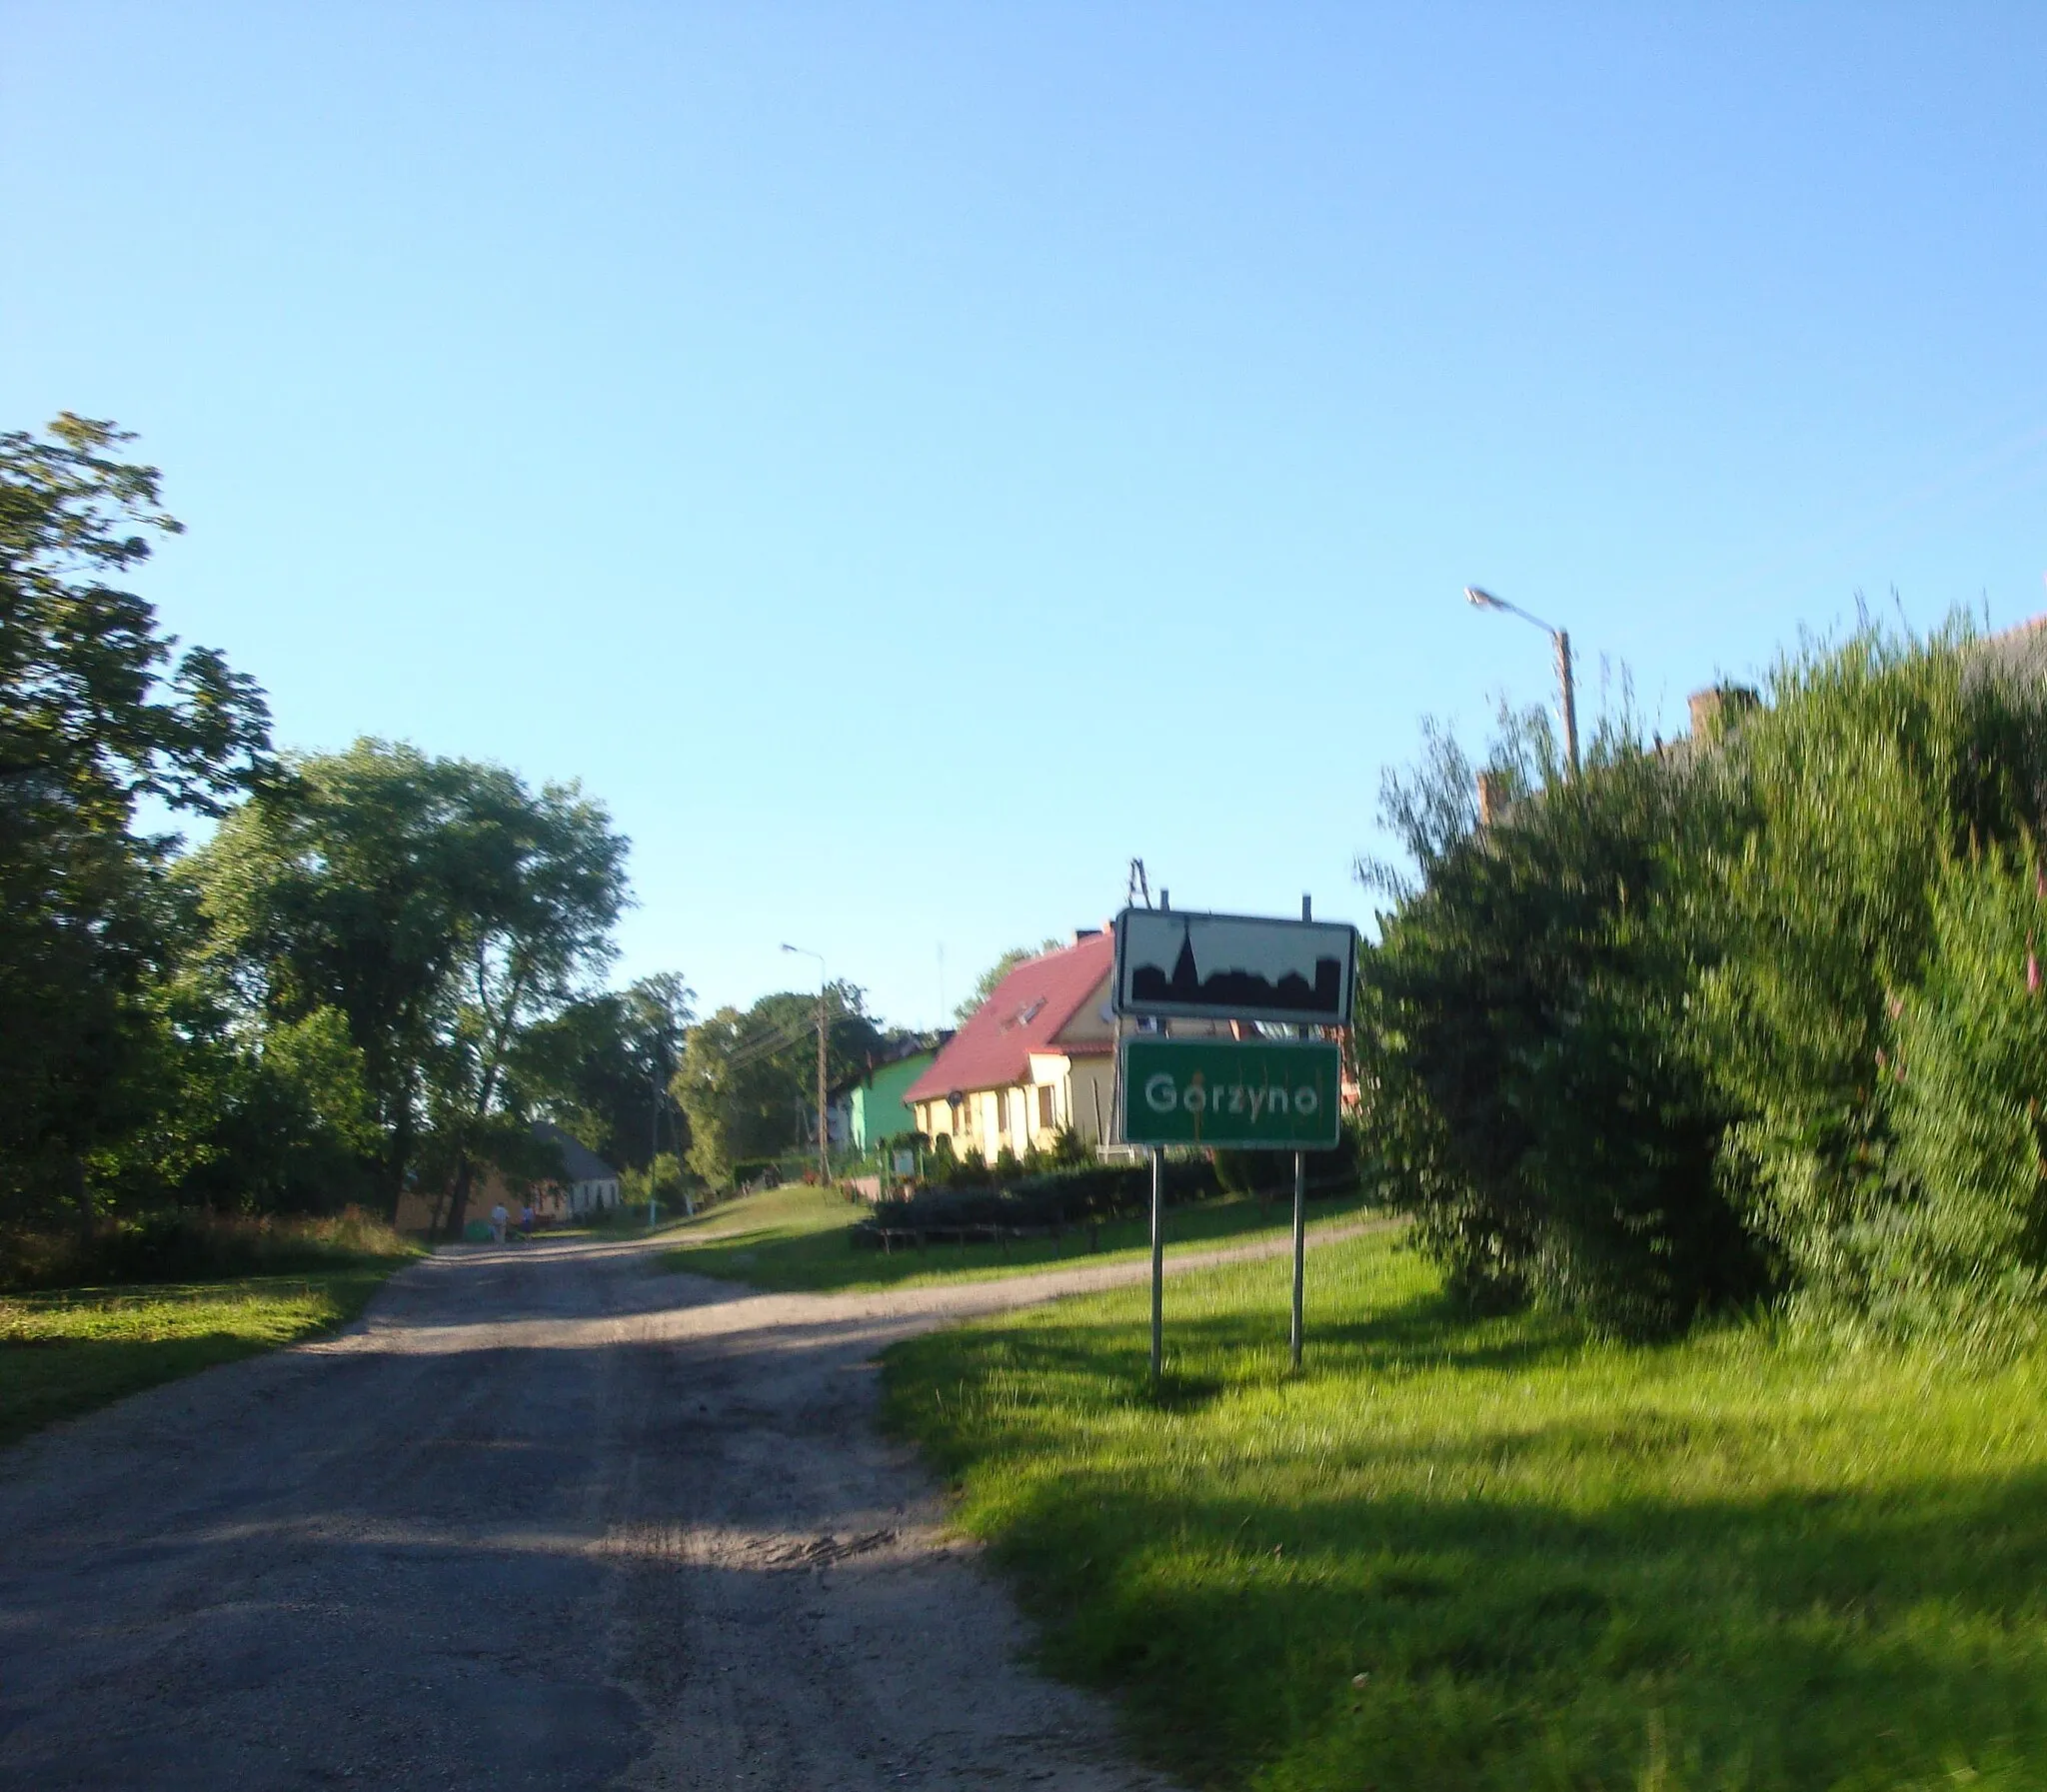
545 1517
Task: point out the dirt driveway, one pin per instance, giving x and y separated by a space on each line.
545 1518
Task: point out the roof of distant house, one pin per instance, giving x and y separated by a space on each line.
2021 648
1024 1015
910 1045
582 1163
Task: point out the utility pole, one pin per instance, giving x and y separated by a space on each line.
653 1145
1158 1268
823 1126
1294 1331
824 1123
1566 686
1569 685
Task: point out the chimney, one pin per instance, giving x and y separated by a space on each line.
1492 797
1719 708
1081 934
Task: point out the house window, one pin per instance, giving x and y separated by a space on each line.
1044 1119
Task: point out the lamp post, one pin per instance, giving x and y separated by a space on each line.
1566 688
823 1126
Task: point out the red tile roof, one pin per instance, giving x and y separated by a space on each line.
1023 1016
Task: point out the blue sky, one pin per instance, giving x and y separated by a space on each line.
907 460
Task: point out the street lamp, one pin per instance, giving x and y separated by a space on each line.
823 1126
1484 600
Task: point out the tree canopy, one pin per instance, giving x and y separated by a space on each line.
749 1080
602 1069
439 905
991 978
97 711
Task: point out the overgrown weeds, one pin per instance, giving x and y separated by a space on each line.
186 1244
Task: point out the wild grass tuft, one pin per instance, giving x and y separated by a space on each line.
189 1244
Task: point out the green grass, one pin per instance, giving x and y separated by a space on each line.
65 1353
1496 1554
793 1240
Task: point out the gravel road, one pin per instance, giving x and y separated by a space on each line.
545 1517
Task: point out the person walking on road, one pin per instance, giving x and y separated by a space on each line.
497 1218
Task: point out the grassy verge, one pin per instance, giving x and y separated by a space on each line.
62 1354
793 1240
1494 1554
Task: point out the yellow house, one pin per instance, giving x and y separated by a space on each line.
1037 1056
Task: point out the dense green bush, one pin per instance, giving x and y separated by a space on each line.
1967 1249
1096 1191
1531 1090
1635 1050
1875 764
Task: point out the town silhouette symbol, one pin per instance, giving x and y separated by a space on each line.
1238 989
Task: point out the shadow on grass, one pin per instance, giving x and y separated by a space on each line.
1784 1641
1099 1365
1314 1592
67 1353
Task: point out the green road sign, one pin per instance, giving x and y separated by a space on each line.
1248 1095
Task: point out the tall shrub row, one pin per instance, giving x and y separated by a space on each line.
1747 1014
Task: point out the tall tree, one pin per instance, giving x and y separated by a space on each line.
991 978
747 1080
439 905
602 1070
97 711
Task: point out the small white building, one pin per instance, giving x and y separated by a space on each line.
590 1186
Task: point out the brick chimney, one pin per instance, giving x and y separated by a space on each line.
1719 708
1492 797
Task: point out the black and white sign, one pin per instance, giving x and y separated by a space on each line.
1234 968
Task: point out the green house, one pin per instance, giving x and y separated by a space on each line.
877 1100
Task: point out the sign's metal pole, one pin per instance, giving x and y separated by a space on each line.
1158 1265
1300 1245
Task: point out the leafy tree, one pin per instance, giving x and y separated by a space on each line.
276 1120
602 1069
1432 807
439 905
991 979
97 711
748 1081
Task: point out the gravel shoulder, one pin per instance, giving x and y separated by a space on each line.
545 1517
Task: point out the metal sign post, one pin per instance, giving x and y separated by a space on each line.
1245 1095
1257 1094
1157 1266
1299 1247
